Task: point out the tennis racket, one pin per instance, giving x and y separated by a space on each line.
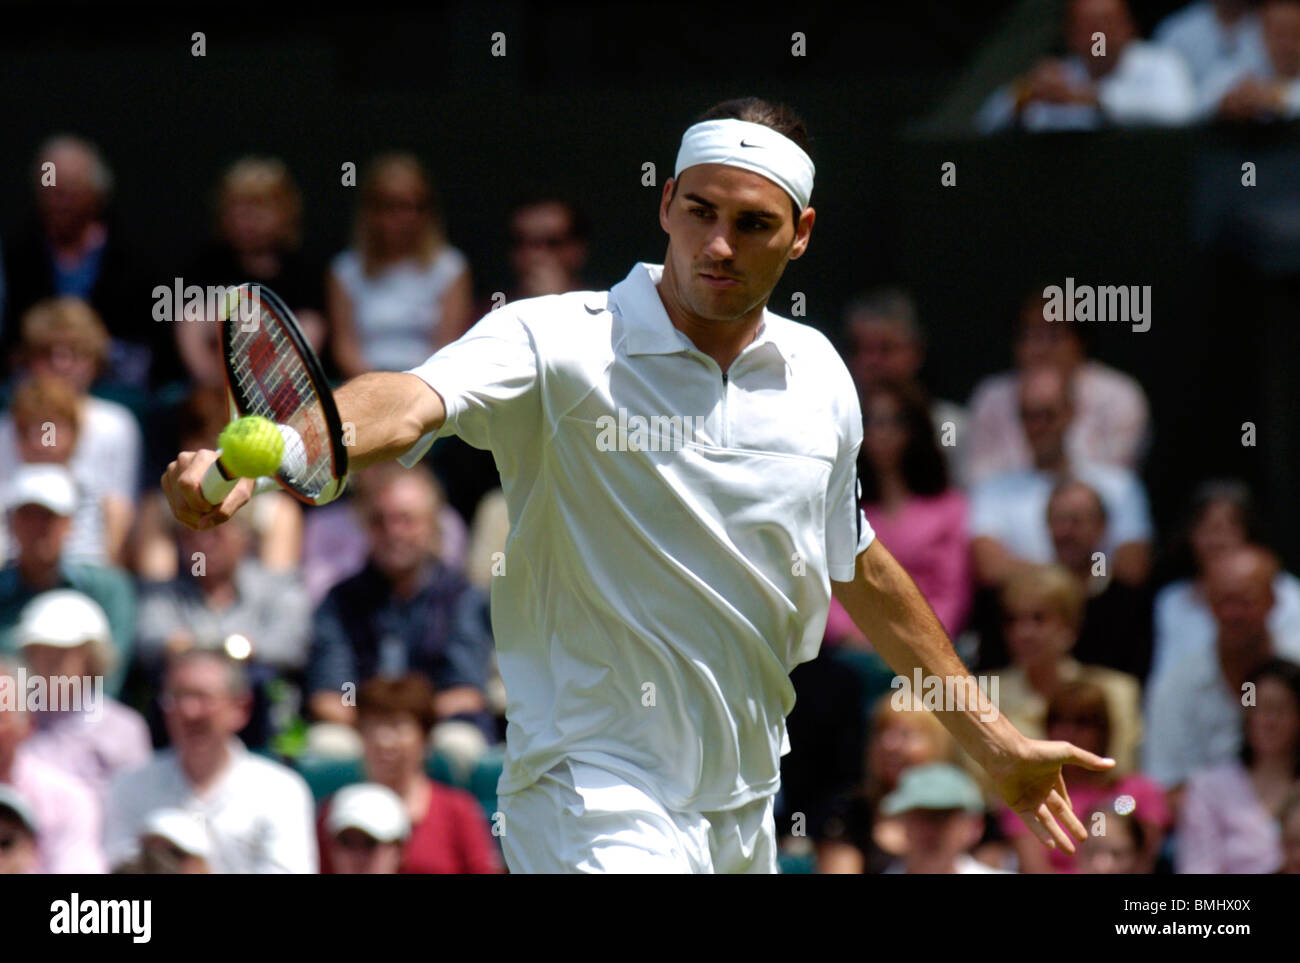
272 371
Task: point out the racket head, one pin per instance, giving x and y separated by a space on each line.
272 371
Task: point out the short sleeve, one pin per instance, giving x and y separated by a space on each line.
848 533
487 378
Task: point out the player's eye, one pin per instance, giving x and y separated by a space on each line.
753 224
700 211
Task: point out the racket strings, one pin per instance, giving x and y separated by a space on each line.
276 384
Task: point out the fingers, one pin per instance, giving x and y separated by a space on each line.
1072 755
1059 803
181 484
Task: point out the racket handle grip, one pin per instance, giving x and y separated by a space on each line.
215 485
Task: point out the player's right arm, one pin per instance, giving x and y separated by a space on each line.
384 413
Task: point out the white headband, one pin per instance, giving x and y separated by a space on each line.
751 147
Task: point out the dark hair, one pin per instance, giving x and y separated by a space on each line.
579 225
1068 482
1082 699
1135 828
411 694
925 472
1288 673
755 110
1180 559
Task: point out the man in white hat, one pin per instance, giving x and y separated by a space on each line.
65 640
680 468
259 813
367 826
40 500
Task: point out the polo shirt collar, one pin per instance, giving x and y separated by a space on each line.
649 329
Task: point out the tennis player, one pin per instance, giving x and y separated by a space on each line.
679 465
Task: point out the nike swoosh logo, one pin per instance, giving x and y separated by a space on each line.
591 310
743 144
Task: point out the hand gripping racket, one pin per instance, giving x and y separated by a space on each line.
272 371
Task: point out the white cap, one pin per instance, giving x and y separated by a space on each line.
184 830
374 809
63 618
47 485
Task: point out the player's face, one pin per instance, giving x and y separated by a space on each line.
731 233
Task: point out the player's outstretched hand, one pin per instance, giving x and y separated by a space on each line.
1031 782
180 483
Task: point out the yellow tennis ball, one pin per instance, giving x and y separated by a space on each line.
251 446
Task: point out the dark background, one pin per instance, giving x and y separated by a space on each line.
589 92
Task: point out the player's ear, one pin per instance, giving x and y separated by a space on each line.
802 233
664 200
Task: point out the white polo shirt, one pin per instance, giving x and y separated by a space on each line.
673 533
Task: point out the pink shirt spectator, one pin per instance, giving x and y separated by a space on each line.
1223 827
1110 423
68 813
929 537
92 748
1149 808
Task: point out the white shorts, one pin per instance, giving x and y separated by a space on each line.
579 818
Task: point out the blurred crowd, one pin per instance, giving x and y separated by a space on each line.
315 690
1212 60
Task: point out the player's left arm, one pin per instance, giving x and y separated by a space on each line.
886 605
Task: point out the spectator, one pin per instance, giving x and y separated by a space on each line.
942 813
221 591
1080 713
448 833
1289 821
906 495
41 500
1116 630
1118 850
1044 609
258 215
1112 79
171 842
64 339
366 831
887 343
67 814
336 544
18 830
1009 522
401 292
1221 518
1229 816
548 247
258 812
65 639
75 251
1212 34
854 837
1194 707
404 611
1110 423
1261 89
